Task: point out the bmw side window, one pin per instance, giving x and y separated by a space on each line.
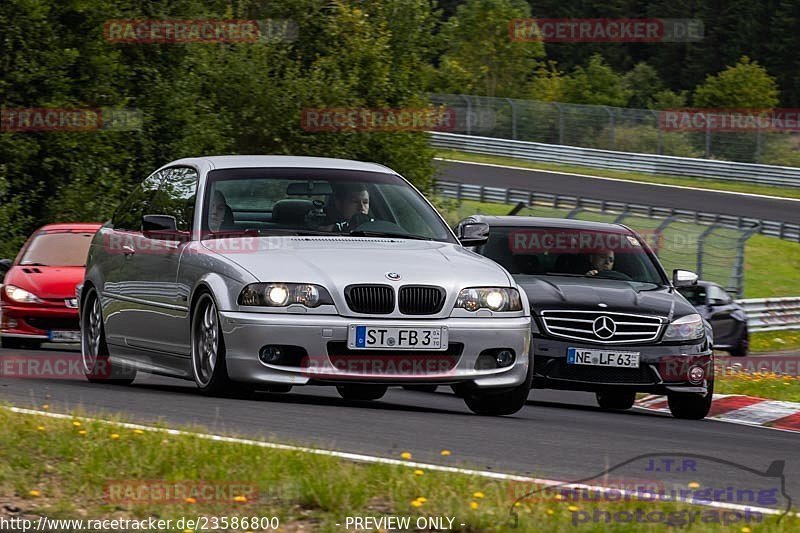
176 197
128 215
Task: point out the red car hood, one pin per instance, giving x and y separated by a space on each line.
48 283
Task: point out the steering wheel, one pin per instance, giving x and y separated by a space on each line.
614 274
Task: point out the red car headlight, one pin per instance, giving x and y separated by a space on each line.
16 294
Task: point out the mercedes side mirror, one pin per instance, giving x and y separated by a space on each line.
683 278
472 233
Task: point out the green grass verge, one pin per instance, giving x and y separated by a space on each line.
775 341
772 267
771 264
760 384
62 469
702 183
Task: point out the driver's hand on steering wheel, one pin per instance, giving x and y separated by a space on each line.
354 222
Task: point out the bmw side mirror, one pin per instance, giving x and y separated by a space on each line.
472 233
683 278
160 227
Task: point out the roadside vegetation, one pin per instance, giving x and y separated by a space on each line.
62 468
761 384
775 341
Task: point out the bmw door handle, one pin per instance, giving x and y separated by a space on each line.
128 250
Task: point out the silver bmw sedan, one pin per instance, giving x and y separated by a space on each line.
268 272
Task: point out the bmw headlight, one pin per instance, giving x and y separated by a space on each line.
494 298
687 328
21 295
283 294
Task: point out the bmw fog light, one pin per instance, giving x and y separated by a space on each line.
504 358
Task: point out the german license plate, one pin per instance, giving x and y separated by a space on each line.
64 336
580 356
396 338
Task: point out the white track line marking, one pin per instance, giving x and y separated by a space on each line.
362 458
750 194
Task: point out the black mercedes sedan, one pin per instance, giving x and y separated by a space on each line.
606 316
727 318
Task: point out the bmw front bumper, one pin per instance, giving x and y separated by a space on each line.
318 353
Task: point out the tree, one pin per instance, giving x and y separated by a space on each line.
479 55
746 85
198 98
643 83
596 84
547 84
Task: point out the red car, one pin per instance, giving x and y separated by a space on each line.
37 300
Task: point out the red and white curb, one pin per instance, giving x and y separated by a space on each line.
738 409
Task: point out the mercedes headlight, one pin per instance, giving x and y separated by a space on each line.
21 295
688 328
283 294
493 298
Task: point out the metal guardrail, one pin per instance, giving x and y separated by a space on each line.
772 314
622 129
648 163
560 201
772 228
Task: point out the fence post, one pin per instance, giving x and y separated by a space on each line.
701 241
469 113
513 107
660 141
560 122
611 127
759 143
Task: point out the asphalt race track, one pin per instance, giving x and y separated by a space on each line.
558 435
621 191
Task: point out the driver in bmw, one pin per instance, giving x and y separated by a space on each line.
350 208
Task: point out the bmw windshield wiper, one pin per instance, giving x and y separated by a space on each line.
33 264
389 234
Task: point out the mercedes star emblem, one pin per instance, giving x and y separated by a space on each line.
604 328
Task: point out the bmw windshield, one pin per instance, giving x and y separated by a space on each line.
319 202
591 254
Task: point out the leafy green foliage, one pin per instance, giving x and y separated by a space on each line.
197 98
746 85
597 84
478 54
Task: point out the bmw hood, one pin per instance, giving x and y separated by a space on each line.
580 293
336 262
